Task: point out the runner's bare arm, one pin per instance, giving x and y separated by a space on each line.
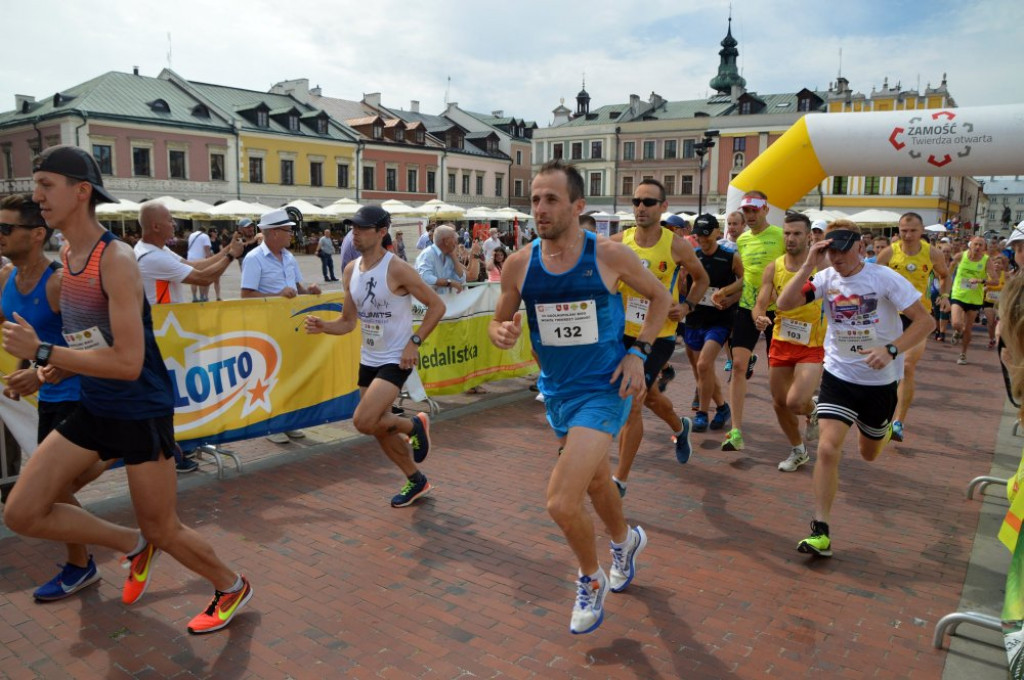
765 296
792 296
345 323
685 257
506 326
941 271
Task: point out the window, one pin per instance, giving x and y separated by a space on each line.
904 186
378 131
872 185
451 182
686 186
390 179
140 162
595 184
9 162
499 185
556 151
627 186
577 151
649 149
369 177
321 126
517 188
287 172
431 182
103 153
670 148
596 149
739 144
293 123
519 157
217 167
688 149
316 174
479 185
745 108
262 119
737 160
256 170
342 176
412 180
421 136
804 104
628 151
177 164
839 185
465 183
670 184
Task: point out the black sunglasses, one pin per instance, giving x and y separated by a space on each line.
649 202
6 228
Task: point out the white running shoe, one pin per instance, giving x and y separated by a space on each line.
795 460
811 433
588 610
624 559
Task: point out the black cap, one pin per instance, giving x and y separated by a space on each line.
76 163
842 239
370 216
705 225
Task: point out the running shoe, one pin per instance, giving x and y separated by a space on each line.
896 431
811 432
734 441
728 365
695 404
186 465
420 437
955 339
795 460
682 442
410 492
222 609
700 421
818 543
940 337
278 438
295 434
620 485
668 374
962 361
69 581
750 366
588 610
624 559
140 567
723 414
991 344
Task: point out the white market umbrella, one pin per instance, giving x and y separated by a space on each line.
438 209
398 208
875 216
936 228
479 213
510 213
176 206
124 208
308 210
235 208
198 207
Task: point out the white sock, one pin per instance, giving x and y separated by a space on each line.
801 449
236 587
622 545
140 546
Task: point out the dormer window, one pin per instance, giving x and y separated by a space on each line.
159 106
321 126
492 146
293 123
200 111
263 119
421 137
378 131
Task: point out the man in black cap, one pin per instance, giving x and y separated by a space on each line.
863 355
250 241
126 407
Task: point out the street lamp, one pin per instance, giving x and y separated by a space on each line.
701 148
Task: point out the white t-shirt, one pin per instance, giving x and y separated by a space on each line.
490 245
162 271
197 245
863 311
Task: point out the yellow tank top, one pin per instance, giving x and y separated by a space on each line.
992 292
914 268
801 326
658 260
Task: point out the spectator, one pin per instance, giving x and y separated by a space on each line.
348 247
200 248
495 263
400 247
246 229
439 266
426 237
325 251
491 243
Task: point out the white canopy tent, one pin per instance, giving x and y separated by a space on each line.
398 208
344 207
936 228
874 216
308 210
123 208
510 213
439 210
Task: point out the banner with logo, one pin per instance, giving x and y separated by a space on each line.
459 355
21 416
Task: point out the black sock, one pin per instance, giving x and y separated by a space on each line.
417 477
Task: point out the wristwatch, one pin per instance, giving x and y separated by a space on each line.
43 353
688 304
416 340
893 350
644 347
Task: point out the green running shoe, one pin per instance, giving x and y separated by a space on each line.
818 543
733 442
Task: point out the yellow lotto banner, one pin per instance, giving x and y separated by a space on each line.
20 416
458 355
245 368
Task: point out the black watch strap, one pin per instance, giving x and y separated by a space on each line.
893 350
43 353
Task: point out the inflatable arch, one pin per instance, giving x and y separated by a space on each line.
983 140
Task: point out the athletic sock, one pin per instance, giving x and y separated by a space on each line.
236 587
140 546
417 477
801 449
621 546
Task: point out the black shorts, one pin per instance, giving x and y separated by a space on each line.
869 407
987 305
136 441
392 373
745 333
966 306
661 352
52 414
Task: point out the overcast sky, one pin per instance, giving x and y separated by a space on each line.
520 57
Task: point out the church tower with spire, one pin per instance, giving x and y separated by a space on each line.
729 81
583 101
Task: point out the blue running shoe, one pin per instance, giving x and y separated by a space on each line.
620 485
700 422
728 365
897 431
419 440
723 414
69 581
682 441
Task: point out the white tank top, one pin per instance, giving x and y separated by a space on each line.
386 318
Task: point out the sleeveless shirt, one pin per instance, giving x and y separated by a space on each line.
801 326
914 268
386 318
656 259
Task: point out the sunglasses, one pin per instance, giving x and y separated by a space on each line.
648 202
6 228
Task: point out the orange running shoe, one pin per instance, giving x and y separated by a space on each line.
221 610
139 567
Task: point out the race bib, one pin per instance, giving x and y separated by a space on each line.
636 310
90 338
567 323
969 284
798 332
855 339
373 335
706 300
992 296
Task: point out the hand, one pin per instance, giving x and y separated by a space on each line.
718 298
944 304
288 292
761 322
313 289
675 311
876 357
475 250
52 374
21 383
452 283
20 338
507 333
816 254
410 356
631 370
236 248
314 325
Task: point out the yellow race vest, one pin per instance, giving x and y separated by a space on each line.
914 268
801 326
658 260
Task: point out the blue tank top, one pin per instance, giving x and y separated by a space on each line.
35 309
574 362
84 306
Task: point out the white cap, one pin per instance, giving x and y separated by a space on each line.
1017 234
820 225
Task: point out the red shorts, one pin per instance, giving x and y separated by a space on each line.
783 353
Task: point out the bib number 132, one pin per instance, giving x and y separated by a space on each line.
567 332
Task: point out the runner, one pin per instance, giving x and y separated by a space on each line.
992 292
663 253
796 352
973 271
382 286
863 356
126 405
914 259
569 281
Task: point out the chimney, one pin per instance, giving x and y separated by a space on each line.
634 104
498 114
23 101
135 70
372 99
316 91
414 106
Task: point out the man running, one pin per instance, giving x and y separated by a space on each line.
126 407
973 270
761 244
796 352
569 280
662 253
914 259
379 289
863 356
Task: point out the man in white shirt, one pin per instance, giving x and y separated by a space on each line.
491 244
164 272
199 248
